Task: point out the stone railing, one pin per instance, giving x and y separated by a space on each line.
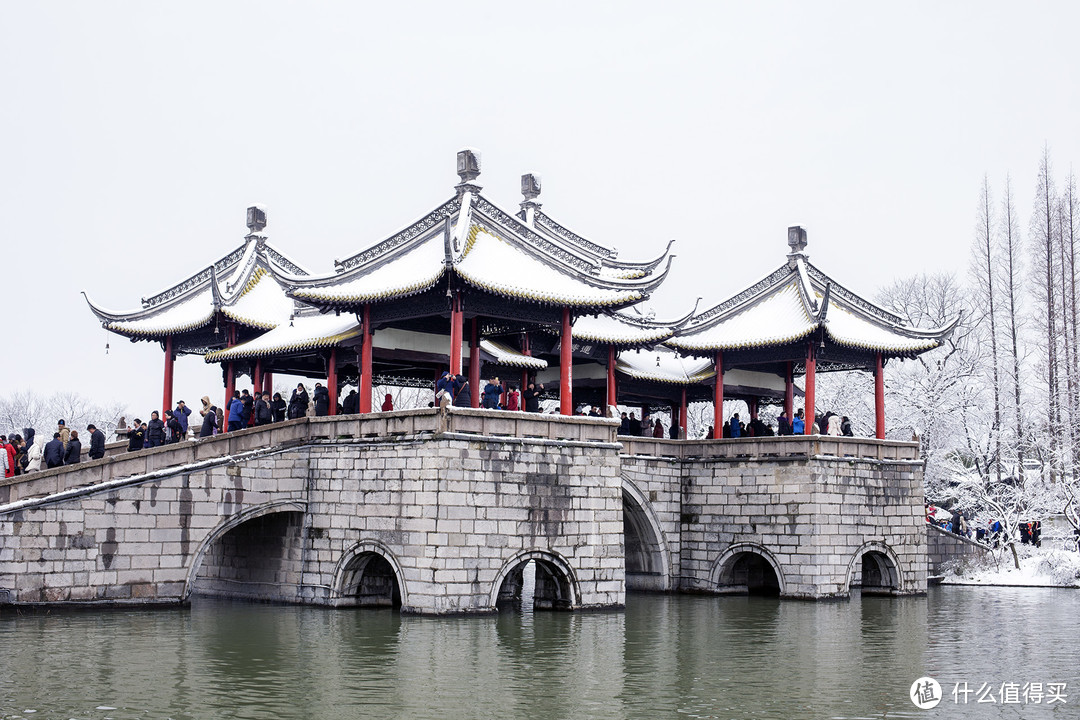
118 463
772 448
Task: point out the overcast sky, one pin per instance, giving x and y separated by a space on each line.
134 135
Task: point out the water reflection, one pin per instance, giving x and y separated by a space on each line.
665 656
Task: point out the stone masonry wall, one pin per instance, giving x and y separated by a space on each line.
453 514
943 546
814 516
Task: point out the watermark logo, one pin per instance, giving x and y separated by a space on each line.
925 693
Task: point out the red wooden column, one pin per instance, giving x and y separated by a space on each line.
257 376
718 398
331 380
811 380
166 395
230 376
789 392
525 350
612 400
474 362
457 321
566 366
879 396
364 405
268 383
682 414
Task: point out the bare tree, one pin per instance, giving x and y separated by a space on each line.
1011 270
1044 272
985 307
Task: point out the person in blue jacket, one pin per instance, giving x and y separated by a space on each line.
798 425
236 412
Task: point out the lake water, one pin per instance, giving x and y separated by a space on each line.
664 656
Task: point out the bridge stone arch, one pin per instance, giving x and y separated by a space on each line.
293 508
556 583
747 568
877 569
369 574
648 560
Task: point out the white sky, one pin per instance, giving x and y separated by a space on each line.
134 135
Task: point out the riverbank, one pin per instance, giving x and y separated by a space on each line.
1039 567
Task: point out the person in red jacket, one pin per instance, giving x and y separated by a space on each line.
9 450
388 403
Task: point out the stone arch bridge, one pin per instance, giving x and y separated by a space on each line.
442 511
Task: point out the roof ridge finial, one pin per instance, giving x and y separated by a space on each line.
468 169
530 190
256 218
796 240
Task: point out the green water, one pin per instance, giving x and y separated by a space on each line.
665 656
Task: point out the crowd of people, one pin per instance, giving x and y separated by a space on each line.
26 452
990 533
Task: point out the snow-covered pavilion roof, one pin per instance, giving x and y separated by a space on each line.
664 366
794 302
628 328
246 285
474 242
303 332
503 355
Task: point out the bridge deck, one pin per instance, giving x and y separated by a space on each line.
119 463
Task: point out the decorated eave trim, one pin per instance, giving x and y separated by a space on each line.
551 249
851 298
664 378
507 357
195 281
719 312
644 267
314 297
547 223
121 324
239 352
418 228
684 345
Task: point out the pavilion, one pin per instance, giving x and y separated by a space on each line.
514 293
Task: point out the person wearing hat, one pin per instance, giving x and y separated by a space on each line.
65 434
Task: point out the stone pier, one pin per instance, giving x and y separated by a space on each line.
440 512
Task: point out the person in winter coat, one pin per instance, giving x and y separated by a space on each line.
798 425
209 423
205 405
36 453
181 414
8 449
54 452
462 392
97 442
65 434
388 403
155 431
444 386
322 400
833 426
298 402
72 455
783 425
492 391
236 412
513 398
658 429
351 403
262 409
136 436
531 396
277 408
845 427
736 426
249 404
176 433
633 425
